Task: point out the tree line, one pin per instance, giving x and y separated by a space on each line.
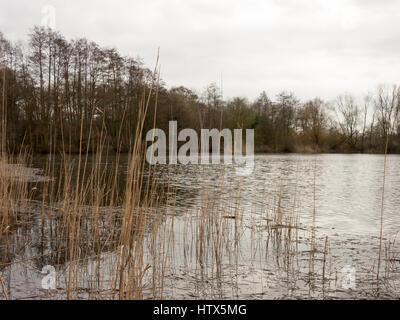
60 94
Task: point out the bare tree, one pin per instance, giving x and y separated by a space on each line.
387 105
367 103
348 114
312 120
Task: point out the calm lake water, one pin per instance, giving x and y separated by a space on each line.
344 190
347 188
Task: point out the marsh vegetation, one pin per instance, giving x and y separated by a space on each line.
114 227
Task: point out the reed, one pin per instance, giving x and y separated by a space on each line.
113 237
382 210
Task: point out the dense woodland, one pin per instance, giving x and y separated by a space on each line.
52 87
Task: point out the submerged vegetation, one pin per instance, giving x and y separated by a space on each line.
141 244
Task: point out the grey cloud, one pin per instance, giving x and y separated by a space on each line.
311 47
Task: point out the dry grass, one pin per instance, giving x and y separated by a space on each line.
111 244
82 218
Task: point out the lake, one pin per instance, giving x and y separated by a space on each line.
287 230
347 188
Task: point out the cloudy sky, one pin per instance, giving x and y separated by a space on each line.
311 47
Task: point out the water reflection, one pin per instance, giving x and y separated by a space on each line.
348 188
345 190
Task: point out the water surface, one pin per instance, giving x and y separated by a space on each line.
335 197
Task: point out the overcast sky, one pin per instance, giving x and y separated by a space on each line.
311 47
